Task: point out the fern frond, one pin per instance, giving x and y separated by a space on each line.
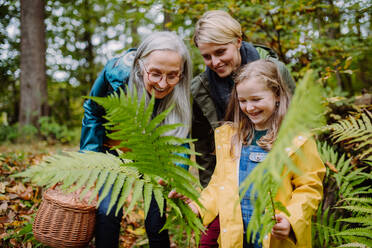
152 155
136 195
359 200
124 194
354 130
181 210
354 244
358 220
352 195
356 232
358 209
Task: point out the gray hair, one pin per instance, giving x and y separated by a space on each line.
180 95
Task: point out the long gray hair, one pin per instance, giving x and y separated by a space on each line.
180 95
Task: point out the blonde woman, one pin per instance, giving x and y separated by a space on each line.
218 37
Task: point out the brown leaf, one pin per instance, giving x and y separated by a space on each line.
3 235
2 187
26 217
18 223
3 207
11 215
4 220
17 189
138 231
4 198
27 194
331 167
12 196
13 242
23 192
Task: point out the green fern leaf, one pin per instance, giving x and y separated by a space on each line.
92 179
116 190
354 244
108 184
356 232
81 182
358 220
136 195
125 192
147 195
159 199
358 209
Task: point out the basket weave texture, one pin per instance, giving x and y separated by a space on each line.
61 222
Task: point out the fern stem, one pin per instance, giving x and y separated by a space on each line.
272 204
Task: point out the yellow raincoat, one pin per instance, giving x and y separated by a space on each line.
300 194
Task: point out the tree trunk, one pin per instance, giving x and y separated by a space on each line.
33 90
167 15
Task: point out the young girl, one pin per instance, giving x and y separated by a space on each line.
258 103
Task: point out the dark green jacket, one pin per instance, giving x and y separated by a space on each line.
205 119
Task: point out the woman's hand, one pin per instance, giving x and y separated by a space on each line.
174 194
282 228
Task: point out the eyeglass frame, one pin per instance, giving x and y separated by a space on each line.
179 76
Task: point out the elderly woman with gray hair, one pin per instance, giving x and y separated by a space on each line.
161 66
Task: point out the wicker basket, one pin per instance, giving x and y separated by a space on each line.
62 222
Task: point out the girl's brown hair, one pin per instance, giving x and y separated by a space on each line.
268 73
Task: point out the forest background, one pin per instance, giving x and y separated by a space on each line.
43 84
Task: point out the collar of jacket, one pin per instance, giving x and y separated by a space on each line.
227 131
202 96
118 70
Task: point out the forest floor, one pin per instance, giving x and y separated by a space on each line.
19 200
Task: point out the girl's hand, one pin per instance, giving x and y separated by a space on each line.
282 228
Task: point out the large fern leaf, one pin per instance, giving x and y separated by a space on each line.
355 130
353 189
304 114
152 155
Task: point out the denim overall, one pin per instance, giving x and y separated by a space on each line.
250 156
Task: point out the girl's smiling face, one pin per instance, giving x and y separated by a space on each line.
257 101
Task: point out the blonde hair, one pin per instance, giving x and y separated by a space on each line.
217 26
267 72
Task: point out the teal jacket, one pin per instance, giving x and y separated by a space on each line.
114 76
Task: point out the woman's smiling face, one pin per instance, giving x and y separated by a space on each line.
221 58
166 63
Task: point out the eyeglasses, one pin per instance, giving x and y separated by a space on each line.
156 77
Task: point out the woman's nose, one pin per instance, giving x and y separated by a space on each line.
215 61
163 82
